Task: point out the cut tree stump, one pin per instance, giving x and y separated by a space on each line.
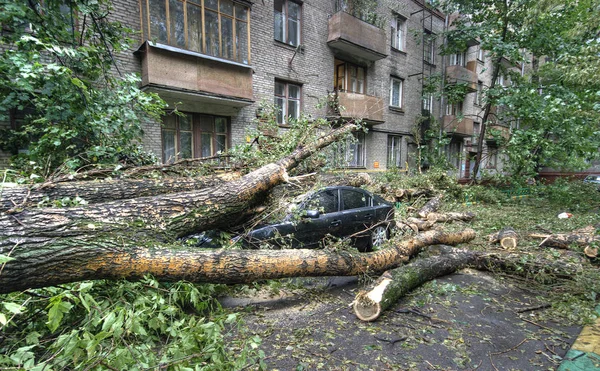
507 237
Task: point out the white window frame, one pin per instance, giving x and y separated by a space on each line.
429 47
283 117
454 109
394 81
399 33
428 102
285 19
394 154
457 59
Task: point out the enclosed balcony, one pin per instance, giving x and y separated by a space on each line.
497 131
355 40
361 106
457 126
458 74
184 76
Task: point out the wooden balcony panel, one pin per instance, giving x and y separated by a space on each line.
365 107
356 40
462 75
453 125
187 72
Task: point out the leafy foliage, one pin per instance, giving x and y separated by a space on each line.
547 50
132 326
60 85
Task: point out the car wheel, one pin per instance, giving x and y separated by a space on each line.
379 235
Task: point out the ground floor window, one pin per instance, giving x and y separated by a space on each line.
394 151
193 135
350 152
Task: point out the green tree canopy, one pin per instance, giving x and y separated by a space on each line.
58 76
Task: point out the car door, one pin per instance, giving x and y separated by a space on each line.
310 231
358 212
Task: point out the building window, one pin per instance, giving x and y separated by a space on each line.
479 94
398 32
219 28
396 86
428 102
429 47
457 59
287 100
500 80
454 109
394 151
350 78
350 152
287 22
193 136
480 54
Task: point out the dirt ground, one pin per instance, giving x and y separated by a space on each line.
466 321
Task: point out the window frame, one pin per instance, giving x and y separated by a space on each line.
238 37
286 99
196 132
478 99
394 151
350 147
429 47
400 105
285 22
346 77
398 40
427 104
454 109
458 59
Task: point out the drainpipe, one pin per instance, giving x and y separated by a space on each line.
442 83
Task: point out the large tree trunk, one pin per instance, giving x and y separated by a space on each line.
370 303
76 259
99 191
132 237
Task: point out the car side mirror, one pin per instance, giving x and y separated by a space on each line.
313 214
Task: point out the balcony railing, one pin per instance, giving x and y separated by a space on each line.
459 126
179 70
463 75
361 106
353 39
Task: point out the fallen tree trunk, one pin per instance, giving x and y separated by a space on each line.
563 241
431 206
370 303
507 237
450 217
109 259
54 237
93 192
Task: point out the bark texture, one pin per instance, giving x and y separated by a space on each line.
431 206
564 241
370 303
81 258
99 191
507 237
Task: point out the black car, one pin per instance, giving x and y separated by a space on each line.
342 212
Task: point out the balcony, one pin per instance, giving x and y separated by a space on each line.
463 75
365 107
504 132
355 40
195 79
452 125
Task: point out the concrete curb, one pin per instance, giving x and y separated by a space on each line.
584 354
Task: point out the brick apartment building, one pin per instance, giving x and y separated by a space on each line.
217 60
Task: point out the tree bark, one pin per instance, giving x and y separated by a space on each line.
563 241
431 206
370 303
507 237
80 258
99 191
449 217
